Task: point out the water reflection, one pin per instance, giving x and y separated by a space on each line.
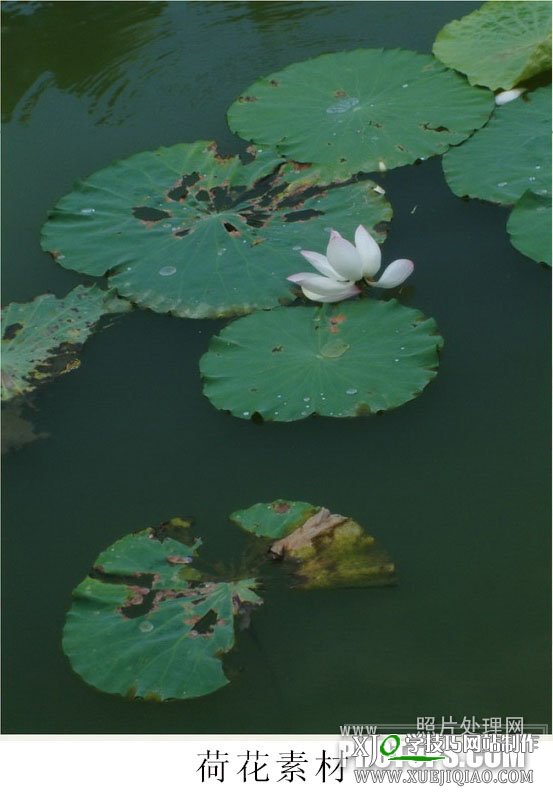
85 51
266 14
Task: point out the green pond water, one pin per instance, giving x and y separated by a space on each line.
454 484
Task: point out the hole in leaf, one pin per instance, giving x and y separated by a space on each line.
438 129
255 218
205 625
11 331
146 214
140 605
181 233
180 191
230 228
302 216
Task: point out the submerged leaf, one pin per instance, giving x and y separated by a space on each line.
360 111
40 339
325 550
17 430
284 365
145 625
509 156
500 44
529 227
183 230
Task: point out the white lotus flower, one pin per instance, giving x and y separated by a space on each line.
344 264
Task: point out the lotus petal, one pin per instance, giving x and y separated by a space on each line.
343 257
321 264
368 250
395 274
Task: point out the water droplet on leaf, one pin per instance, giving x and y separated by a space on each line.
145 626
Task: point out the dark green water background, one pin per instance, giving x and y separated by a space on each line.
454 484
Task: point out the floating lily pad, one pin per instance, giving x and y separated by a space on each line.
184 231
529 227
141 625
360 111
326 550
500 44
509 156
349 359
274 519
40 339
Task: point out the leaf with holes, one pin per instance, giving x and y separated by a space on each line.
40 339
509 156
529 227
349 359
145 625
360 111
324 549
185 231
500 44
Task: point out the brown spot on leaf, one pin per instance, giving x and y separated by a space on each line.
281 507
322 522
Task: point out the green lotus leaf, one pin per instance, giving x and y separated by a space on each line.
509 156
325 550
40 339
529 227
360 111
348 359
500 44
141 625
184 231
273 519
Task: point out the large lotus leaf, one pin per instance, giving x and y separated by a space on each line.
274 519
529 227
350 359
509 156
139 627
499 44
325 550
360 111
40 338
185 231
